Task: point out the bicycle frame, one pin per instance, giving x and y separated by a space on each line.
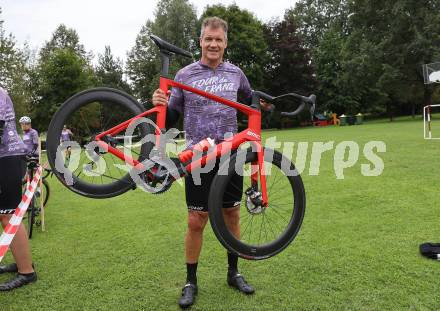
251 134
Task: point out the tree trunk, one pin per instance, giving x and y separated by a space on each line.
390 111
427 96
413 110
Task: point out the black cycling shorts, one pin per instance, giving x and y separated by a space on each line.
197 194
12 170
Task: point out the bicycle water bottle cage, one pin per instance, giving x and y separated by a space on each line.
166 51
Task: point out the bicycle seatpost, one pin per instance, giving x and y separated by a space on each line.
165 59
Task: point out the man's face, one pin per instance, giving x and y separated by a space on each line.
25 126
213 44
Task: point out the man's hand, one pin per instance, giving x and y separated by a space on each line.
159 97
266 106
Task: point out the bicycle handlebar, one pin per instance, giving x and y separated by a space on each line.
309 102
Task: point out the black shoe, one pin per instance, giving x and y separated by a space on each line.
12 267
237 281
189 293
18 281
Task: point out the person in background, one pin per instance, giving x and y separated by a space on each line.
12 169
66 135
30 137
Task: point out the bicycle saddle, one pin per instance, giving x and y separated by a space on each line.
168 48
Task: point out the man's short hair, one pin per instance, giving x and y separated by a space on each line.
214 22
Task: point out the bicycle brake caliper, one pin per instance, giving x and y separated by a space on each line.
254 202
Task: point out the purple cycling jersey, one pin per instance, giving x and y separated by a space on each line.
11 144
203 117
30 140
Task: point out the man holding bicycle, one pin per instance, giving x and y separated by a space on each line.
203 119
12 168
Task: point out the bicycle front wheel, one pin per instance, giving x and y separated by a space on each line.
93 172
262 231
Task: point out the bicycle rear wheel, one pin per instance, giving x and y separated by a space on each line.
264 231
95 173
44 191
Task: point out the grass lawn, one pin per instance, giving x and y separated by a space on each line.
357 249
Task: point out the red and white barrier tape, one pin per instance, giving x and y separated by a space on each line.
15 221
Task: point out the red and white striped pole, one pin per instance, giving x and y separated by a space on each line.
15 221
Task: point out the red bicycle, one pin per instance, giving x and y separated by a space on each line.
118 145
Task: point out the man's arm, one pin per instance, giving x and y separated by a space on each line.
174 103
172 117
35 142
2 120
246 93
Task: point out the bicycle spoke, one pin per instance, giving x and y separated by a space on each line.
275 225
108 120
244 232
259 235
115 166
277 212
87 125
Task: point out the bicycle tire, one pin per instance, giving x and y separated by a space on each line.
46 190
31 218
119 107
46 173
246 247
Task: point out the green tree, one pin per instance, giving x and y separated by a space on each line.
290 67
315 17
60 76
14 72
175 22
109 71
64 38
247 48
324 27
63 69
368 54
396 38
